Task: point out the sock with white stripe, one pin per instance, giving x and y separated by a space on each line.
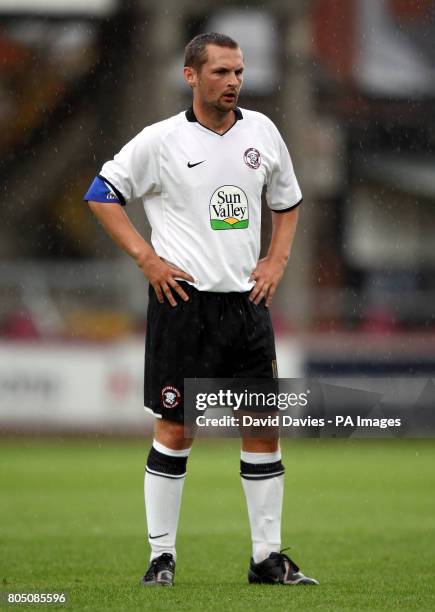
263 482
164 479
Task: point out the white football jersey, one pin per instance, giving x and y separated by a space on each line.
202 192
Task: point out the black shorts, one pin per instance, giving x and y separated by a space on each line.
213 335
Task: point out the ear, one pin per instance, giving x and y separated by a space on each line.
189 75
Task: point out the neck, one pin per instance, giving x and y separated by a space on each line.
213 119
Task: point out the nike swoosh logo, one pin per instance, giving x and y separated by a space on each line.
189 165
159 536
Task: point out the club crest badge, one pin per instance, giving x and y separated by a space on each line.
170 397
252 158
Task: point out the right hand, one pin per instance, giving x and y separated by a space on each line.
161 276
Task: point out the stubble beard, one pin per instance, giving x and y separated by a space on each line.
224 108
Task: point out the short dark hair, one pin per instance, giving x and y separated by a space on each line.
195 54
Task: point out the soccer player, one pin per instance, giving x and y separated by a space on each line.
200 175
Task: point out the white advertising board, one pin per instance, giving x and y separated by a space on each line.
72 386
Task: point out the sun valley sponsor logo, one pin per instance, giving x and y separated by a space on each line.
229 208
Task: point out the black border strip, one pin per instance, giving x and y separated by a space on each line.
165 475
263 477
284 210
191 117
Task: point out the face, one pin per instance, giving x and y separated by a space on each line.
217 84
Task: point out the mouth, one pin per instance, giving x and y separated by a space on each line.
229 96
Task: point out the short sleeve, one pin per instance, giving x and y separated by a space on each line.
135 170
283 191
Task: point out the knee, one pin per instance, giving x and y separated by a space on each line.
171 435
260 445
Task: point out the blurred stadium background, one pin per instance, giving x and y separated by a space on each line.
351 85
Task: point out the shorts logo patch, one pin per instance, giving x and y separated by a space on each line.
170 397
229 208
252 158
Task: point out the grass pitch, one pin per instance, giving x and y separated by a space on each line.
358 515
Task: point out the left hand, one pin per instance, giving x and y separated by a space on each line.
267 275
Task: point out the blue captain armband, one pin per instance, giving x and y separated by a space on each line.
103 191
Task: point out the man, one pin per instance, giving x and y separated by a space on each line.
200 175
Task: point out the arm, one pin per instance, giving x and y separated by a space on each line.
269 270
160 274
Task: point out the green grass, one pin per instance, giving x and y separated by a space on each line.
358 515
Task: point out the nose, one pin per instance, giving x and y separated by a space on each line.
234 80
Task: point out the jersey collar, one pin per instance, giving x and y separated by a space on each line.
190 116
